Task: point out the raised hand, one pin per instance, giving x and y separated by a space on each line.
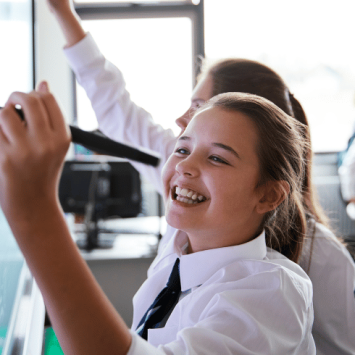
31 152
59 6
68 20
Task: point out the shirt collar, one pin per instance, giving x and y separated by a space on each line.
198 267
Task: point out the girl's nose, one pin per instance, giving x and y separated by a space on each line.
188 167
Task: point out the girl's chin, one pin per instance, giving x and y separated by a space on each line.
185 216
173 221
179 222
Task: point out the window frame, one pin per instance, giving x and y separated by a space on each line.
136 10
102 11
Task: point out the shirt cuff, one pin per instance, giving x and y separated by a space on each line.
82 53
140 346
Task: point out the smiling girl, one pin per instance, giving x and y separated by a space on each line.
236 293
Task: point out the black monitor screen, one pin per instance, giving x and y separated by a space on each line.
113 187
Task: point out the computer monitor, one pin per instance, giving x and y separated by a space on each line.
99 191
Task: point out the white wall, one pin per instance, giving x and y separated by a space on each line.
50 61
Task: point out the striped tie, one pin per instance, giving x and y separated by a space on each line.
163 305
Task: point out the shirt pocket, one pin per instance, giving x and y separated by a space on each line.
161 336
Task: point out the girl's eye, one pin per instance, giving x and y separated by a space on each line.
218 160
195 107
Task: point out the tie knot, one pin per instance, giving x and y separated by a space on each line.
174 279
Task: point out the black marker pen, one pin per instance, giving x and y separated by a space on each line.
104 145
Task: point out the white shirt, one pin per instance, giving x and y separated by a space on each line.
241 303
122 120
332 272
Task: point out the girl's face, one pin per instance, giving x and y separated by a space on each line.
201 94
210 180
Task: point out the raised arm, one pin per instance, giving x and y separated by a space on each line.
118 116
68 20
31 158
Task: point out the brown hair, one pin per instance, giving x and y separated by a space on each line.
247 76
280 152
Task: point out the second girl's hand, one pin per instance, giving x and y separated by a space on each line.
68 20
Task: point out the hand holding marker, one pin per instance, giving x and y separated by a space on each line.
105 145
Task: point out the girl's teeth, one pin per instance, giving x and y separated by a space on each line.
183 192
186 200
187 196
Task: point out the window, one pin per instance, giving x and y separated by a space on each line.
154 47
309 43
16 70
16 73
132 3
158 72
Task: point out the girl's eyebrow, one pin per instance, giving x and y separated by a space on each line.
219 145
227 148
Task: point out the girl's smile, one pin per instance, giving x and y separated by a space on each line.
187 196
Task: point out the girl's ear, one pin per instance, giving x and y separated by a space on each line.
273 193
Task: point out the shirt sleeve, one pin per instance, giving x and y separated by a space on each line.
118 116
332 272
140 346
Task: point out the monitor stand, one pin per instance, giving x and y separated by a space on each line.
94 238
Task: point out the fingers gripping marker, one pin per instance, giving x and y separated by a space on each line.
104 145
